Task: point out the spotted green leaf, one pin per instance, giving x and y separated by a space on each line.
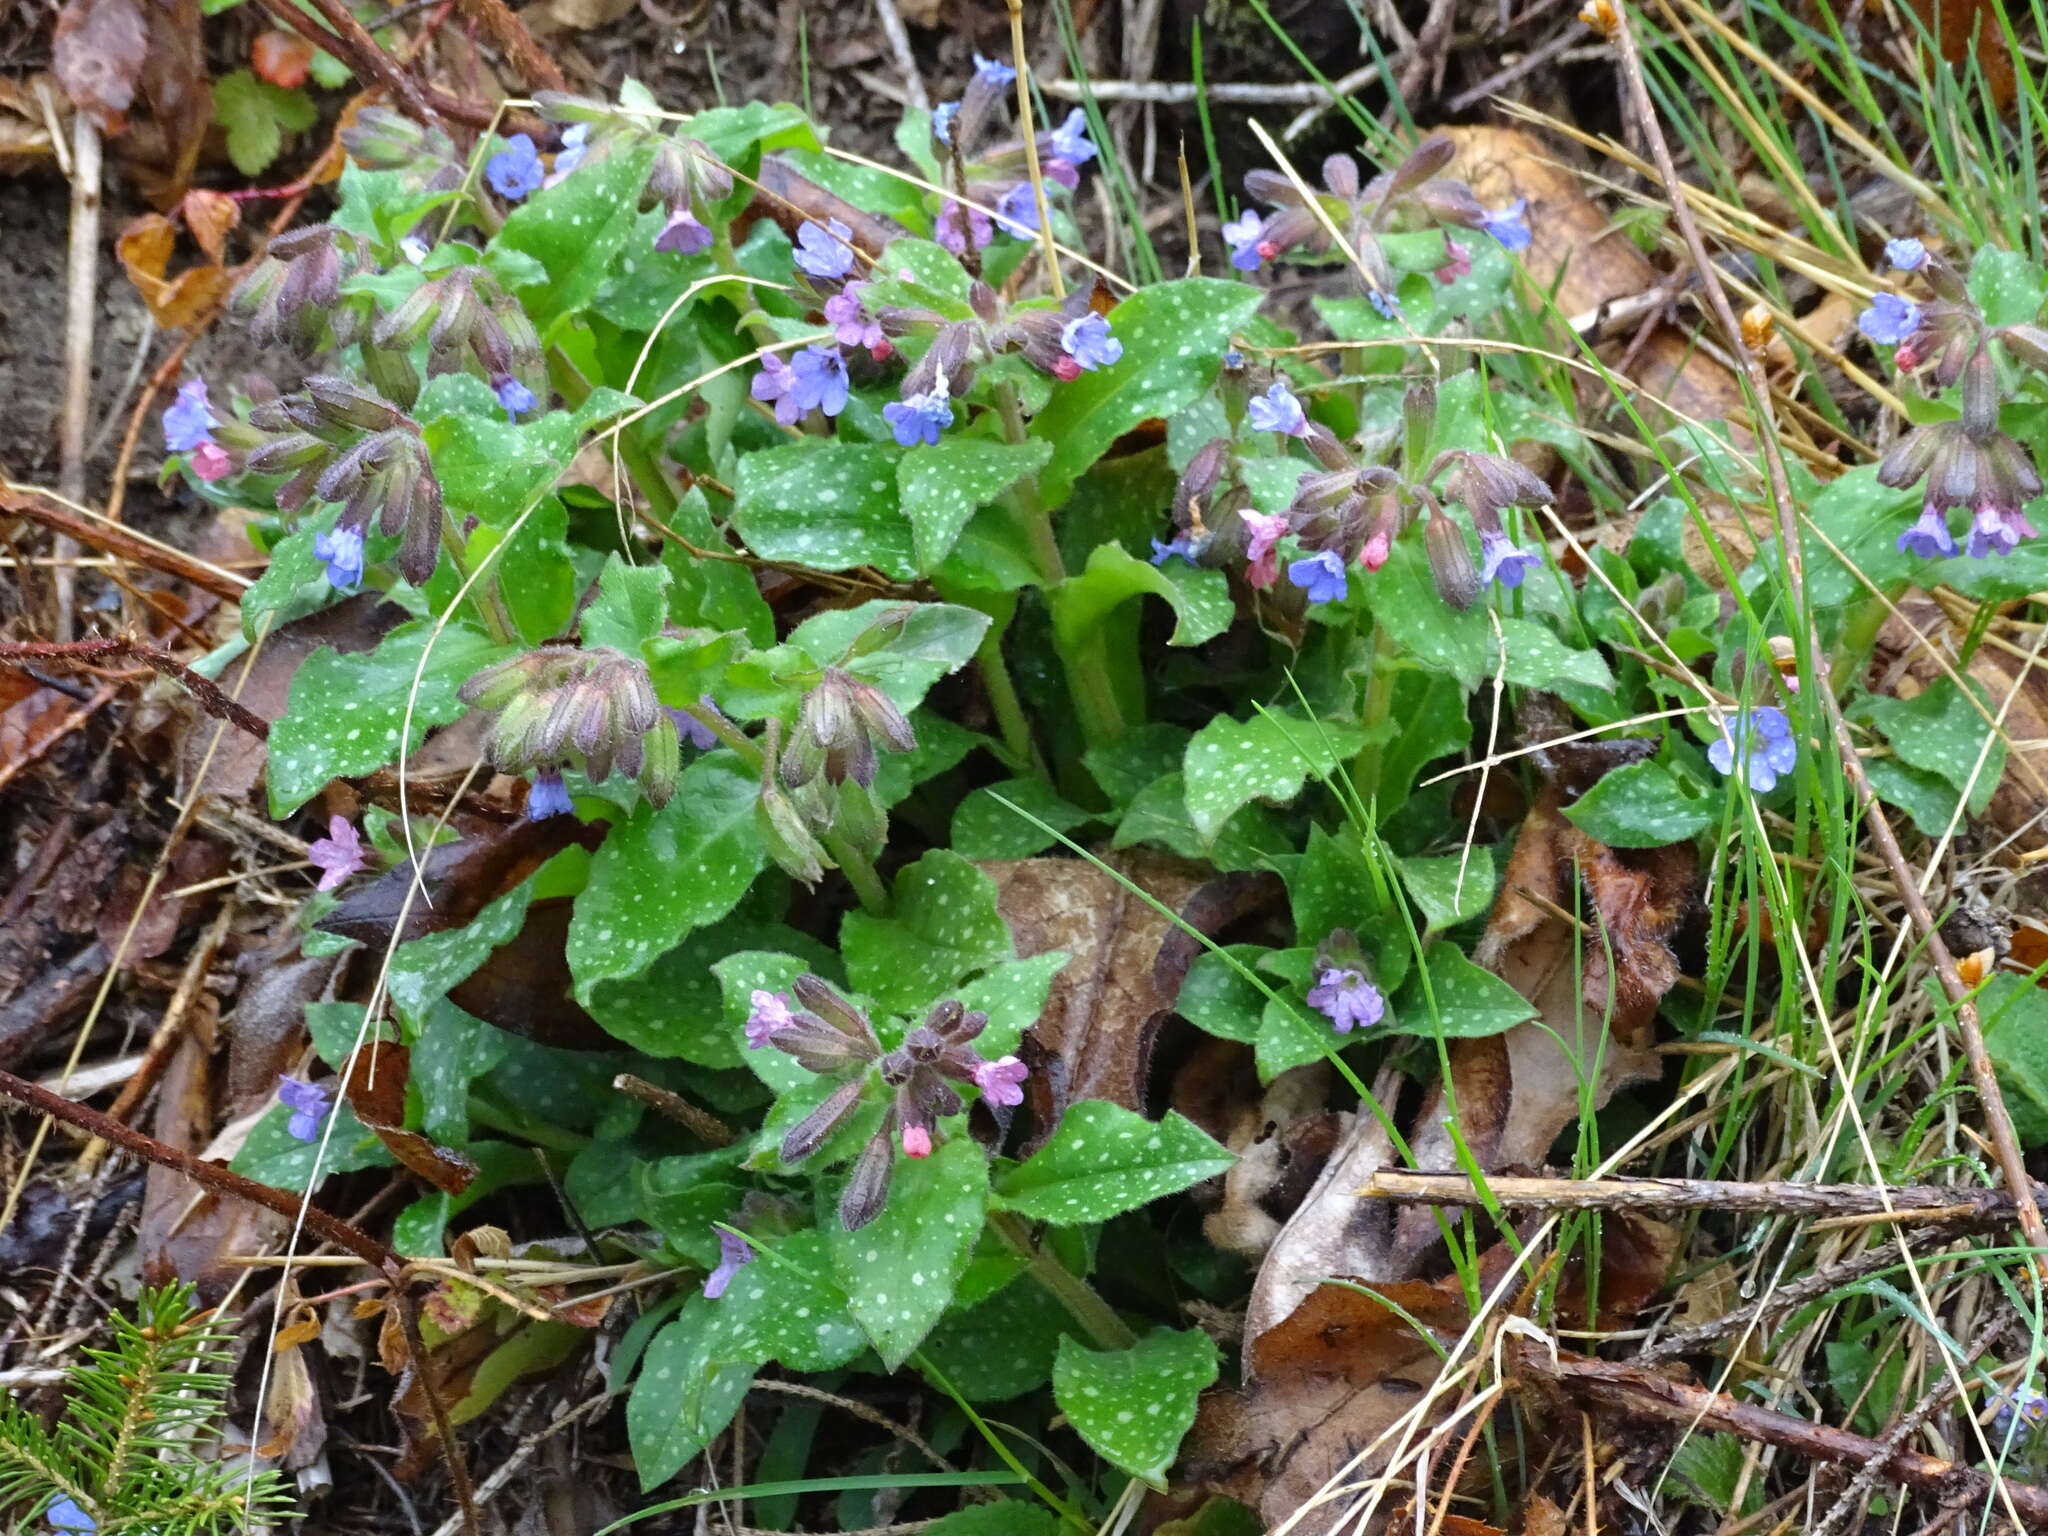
1013 995
1941 732
900 1269
1134 1405
1450 889
943 485
1643 805
661 873
1104 1160
986 824
1200 599
824 504
349 709
630 607
1470 1001
574 229
945 925
1231 763
423 969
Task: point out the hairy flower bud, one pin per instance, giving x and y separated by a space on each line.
346 403
1980 393
2028 344
1450 561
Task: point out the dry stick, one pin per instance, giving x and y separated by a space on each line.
1948 1205
22 501
1638 1392
504 28
1985 1078
1030 133
204 690
701 1123
81 302
906 60
331 1228
348 40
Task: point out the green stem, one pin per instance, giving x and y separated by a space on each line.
1022 500
1859 634
860 874
1379 709
1088 679
1008 707
490 602
1067 1513
1102 1325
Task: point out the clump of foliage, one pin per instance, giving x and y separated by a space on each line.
856 433
129 1453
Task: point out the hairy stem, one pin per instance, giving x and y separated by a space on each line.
1103 1327
1003 699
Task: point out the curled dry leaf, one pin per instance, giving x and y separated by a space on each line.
1283 1141
1126 962
145 250
283 58
29 109
1322 1386
375 1084
210 216
98 54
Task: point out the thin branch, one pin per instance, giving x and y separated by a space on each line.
113 539
1953 1205
204 690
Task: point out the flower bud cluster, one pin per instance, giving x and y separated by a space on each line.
562 704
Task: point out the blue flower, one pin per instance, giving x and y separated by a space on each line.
1507 224
513 395
1070 141
1321 575
548 797
1889 320
65 1515
825 251
189 420
1756 746
815 381
308 1103
1278 411
733 1254
575 145
1086 339
1503 560
342 550
2023 1405
684 234
1388 306
1344 997
993 71
1243 235
919 418
942 120
515 172
694 732
1906 255
1180 546
1929 537
1017 212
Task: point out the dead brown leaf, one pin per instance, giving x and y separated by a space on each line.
210 216
375 1085
145 249
1283 1141
98 55
28 110
1322 1384
1126 963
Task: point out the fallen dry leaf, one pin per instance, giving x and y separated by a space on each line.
1322 1385
375 1085
210 216
98 55
1125 965
28 109
282 58
1283 1141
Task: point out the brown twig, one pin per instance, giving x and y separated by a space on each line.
1997 1119
1638 1392
204 690
1948 1205
347 39
81 305
21 501
701 1123
330 1228
503 26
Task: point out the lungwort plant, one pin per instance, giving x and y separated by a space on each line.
803 535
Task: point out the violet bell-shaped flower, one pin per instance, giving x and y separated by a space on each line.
1321 575
1755 746
1344 996
515 171
1087 340
341 549
853 326
548 796
1905 254
684 234
814 380
1243 235
918 418
825 251
1507 225
734 1254
1263 531
1889 320
309 1104
338 855
189 420
1504 561
1277 410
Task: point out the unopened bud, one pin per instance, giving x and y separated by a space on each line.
346 403
2028 344
1450 562
789 841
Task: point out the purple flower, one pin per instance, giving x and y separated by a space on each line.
919 418
1277 410
1321 575
959 224
1070 141
855 326
1264 530
1002 1081
1756 746
1929 537
189 420
548 797
1905 255
308 1103
339 854
734 1253
65 1515
1503 560
1889 320
342 549
942 120
1997 531
693 731
1243 235
1457 261
769 1013
513 395
1017 212
1086 339
1507 224
1161 553
2023 1405
684 234
1344 997
825 251
816 380
515 171
917 1139
993 71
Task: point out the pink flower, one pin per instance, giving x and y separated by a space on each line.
917 1141
1266 530
1002 1081
210 462
339 854
1457 266
770 1014
1375 551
